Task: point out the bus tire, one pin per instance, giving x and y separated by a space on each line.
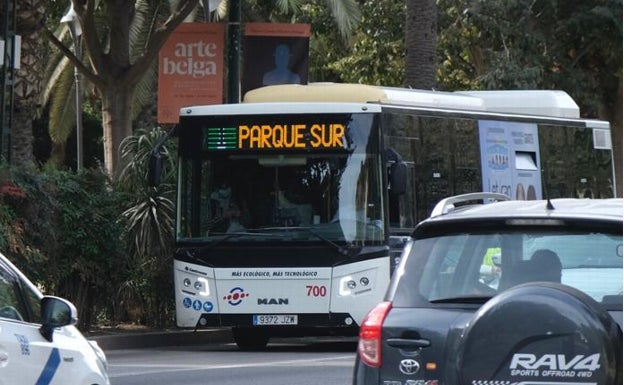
250 338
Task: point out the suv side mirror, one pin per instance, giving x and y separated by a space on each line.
56 312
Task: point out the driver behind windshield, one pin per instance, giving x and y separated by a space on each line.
225 212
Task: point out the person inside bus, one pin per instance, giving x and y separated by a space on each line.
226 213
220 200
292 214
233 216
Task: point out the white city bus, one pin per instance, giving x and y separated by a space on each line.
292 205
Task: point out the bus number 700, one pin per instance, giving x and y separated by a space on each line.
316 291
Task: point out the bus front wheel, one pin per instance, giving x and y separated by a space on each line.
250 338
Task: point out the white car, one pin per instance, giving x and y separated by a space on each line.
39 343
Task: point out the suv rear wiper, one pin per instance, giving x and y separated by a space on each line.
463 299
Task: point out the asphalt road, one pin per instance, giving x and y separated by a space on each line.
287 361
146 339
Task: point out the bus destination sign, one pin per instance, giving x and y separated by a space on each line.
279 136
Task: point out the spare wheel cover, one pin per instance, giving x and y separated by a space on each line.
541 334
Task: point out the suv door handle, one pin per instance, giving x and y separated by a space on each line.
409 343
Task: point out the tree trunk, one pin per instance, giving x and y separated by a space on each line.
22 136
420 44
30 18
117 124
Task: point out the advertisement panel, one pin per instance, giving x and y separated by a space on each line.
275 53
510 161
190 69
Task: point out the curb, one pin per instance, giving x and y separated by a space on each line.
137 340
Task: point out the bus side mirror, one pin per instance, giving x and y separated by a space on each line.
398 178
397 173
155 168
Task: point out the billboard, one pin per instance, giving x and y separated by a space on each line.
275 53
190 69
510 159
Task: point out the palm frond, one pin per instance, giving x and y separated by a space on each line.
136 151
141 27
346 13
221 10
289 6
63 106
145 90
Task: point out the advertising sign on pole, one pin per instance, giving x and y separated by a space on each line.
190 69
275 53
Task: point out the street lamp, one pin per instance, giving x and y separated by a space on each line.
76 32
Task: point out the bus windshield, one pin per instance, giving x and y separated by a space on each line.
281 189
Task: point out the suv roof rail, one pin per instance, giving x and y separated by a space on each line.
448 204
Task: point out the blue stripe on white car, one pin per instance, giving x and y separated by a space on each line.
54 361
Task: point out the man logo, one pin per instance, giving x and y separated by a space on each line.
272 301
409 367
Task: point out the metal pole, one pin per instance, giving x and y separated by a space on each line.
78 52
76 32
3 76
234 43
7 80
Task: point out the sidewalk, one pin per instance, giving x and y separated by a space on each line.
137 339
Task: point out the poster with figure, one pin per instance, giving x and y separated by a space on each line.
275 53
510 159
190 69
281 73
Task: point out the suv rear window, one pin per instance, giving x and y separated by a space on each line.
473 266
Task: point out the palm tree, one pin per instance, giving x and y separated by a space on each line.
118 63
150 225
420 44
114 69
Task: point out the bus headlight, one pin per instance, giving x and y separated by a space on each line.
347 284
201 285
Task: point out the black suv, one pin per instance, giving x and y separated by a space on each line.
503 293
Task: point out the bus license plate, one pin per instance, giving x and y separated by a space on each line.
274 319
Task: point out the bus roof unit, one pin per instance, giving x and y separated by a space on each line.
528 102
278 108
549 103
342 92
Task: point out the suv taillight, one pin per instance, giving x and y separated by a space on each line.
369 344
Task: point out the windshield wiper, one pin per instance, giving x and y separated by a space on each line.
347 250
236 234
